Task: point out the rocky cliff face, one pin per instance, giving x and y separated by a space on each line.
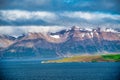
69 41
5 41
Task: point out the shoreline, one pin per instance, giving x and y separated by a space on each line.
87 58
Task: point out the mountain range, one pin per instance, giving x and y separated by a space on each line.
67 42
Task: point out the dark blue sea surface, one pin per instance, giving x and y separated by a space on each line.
35 70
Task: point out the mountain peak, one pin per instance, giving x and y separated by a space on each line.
75 28
74 40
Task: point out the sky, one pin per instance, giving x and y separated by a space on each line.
67 13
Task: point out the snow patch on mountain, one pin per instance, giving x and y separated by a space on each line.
108 30
55 36
91 34
83 35
88 29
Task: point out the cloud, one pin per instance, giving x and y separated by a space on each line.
6 30
65 18
19 30
48 16
90 15
14 15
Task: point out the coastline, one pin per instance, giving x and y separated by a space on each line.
87 58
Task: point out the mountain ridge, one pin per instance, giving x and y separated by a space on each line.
74 40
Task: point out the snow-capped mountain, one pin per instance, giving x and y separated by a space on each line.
73 40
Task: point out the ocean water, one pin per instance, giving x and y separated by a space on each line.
34 70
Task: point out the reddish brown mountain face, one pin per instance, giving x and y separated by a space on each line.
70 41
6 41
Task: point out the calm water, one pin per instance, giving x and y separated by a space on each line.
34 70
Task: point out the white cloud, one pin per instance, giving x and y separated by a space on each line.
90 15
6 30
14 15
42 28
14 31
61 18
19 30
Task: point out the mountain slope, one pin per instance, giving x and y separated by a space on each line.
6 40
64 43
